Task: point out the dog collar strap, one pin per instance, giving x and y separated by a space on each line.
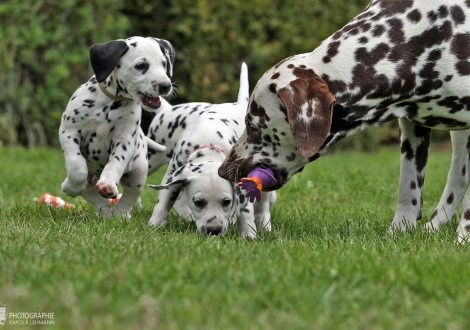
210 146
111 96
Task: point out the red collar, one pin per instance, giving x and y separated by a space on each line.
210 146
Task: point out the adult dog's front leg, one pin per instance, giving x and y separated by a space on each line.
414 145
77 171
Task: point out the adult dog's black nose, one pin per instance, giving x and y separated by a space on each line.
164 88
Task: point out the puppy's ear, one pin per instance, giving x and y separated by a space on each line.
309 104
169 53
168 184
179 177
105 56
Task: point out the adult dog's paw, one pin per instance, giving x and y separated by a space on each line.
73 188
107 189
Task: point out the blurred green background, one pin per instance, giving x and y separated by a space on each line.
44 51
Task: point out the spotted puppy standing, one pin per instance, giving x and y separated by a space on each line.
100 135
198 137
405 59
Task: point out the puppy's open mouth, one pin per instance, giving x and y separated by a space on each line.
149 101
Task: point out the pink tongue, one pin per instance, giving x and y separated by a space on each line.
154 101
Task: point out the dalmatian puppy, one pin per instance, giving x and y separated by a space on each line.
198 136
100 132
402 59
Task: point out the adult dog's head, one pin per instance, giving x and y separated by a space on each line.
288 120
137 68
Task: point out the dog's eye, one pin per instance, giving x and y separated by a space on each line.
226 202
199 203
164 64
141 66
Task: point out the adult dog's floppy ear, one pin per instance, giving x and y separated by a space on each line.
105 56
169 53
309 104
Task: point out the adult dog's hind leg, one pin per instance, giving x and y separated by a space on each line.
463 230
457 180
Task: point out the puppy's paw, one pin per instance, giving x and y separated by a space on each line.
111 211
157 221
107 189
138 205
73 188
248 233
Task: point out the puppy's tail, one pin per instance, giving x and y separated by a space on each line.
244 91
151 144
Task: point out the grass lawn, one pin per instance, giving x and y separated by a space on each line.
327 264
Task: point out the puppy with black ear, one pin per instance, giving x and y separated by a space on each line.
100 132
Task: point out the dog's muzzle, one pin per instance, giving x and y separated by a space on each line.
152 102
212 230
164 88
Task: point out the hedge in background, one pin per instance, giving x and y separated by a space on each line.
44 58
212 38
44 50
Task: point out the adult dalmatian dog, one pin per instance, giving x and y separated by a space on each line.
398 59
198 136
100 132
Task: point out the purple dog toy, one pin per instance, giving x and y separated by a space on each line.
257 178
